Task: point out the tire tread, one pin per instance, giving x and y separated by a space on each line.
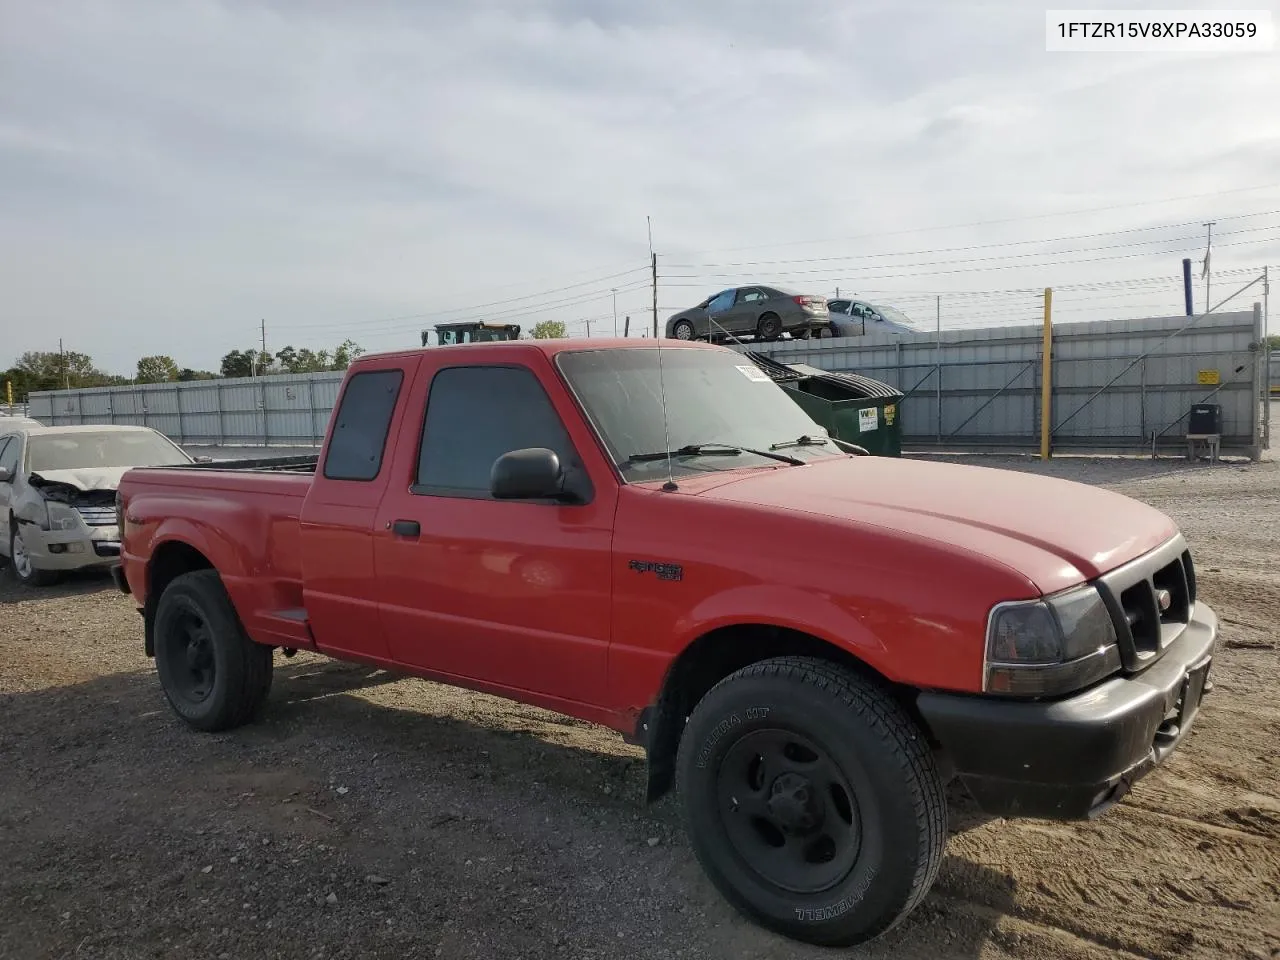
878 710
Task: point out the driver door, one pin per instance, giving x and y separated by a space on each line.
718 314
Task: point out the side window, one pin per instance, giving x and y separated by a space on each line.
360 428
9 454
722 302
751 296
474 416
838 306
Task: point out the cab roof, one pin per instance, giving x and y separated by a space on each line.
550 348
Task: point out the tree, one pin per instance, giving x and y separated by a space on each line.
550 330
246 363
187 374
157 369
50 370
1273 342
347 351
304 360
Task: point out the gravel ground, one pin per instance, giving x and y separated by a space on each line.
373 816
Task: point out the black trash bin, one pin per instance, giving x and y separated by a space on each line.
851 407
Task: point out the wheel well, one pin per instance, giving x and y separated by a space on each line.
170 561
710 659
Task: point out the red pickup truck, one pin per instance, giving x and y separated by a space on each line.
654 537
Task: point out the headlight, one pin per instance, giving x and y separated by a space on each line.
61 516
1040 648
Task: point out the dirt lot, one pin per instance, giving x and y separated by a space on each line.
370 816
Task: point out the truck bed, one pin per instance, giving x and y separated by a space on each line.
250 507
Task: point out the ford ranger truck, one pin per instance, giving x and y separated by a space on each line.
653 536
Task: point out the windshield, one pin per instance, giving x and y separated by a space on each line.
80 451
713 397
894 314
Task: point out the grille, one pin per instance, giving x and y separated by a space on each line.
103 516
1150 601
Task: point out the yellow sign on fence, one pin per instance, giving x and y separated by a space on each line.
1210 378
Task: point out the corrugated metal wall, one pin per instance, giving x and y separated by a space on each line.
1116 385
288 409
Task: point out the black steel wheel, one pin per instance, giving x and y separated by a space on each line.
812 800
188 646
769 327
213 675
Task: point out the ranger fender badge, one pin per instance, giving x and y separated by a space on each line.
665 571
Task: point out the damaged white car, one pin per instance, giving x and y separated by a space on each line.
57 494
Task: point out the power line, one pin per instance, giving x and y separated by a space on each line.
475 306
827 276
1021 219
1016 256
987 246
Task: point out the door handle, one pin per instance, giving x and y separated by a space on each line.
406 528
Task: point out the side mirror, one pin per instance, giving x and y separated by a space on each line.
530 474
6 475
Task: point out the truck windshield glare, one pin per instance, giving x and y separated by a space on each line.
714 399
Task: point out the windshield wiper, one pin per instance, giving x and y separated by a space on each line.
713 450
801 441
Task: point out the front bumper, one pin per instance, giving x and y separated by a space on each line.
96 547
1072 759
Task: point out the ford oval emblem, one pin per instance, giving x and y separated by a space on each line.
1165 599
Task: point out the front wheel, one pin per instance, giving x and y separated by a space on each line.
24 569
812 801
213 675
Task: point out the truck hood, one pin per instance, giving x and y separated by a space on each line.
1054 532
86 478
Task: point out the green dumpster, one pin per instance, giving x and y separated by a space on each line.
852 407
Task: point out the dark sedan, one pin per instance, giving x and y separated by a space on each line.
757 311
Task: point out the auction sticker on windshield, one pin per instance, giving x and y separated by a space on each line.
868 419
752 372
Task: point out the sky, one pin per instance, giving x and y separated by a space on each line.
174 174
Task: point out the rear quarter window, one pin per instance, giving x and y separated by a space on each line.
360 428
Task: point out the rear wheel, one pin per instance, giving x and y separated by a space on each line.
812 801
213 675
683 330
24 569
769 327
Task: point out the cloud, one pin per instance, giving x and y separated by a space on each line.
172 172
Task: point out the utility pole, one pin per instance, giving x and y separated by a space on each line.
653 272
615 311
1207 245
62 360
264 339
626 329
588 326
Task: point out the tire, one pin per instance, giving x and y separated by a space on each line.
769 327
812 801
214 677
683 330
20 564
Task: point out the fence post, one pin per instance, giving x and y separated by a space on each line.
1046 377
222 427
1142 402
311 410
177 404
1256 412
